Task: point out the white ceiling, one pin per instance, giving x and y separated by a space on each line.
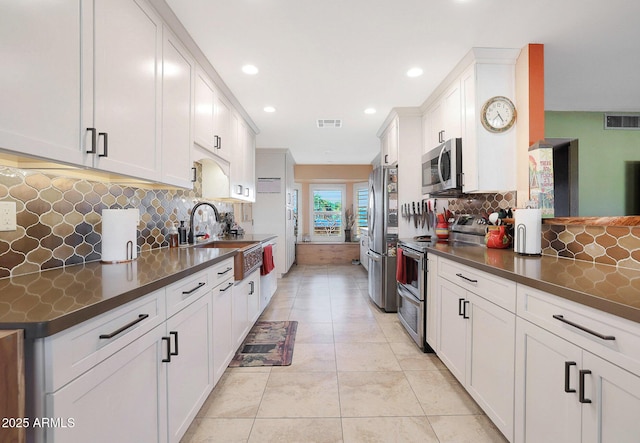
334 58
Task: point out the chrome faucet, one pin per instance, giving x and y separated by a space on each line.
191 237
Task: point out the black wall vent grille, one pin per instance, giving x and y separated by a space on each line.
622 121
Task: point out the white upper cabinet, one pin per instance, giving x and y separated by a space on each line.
178 76
204 97
483 152
127 86
389 142
454 110
105 84
213 118
40 79
441 121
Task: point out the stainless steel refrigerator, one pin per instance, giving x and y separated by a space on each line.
383 236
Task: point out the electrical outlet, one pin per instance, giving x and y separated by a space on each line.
7 216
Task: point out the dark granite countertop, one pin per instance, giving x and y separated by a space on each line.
604 287
50 301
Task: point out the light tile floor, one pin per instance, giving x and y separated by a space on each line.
356 376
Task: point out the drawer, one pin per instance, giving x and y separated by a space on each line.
77 349
493 288
613 338
187 290
221 271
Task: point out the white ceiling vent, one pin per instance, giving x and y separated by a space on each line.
329 123
622 121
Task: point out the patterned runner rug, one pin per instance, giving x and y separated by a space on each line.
269 343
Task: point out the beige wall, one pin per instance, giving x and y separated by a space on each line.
305 175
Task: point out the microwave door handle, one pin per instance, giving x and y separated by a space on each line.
440 163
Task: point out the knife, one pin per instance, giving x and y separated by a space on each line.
415 219
424 213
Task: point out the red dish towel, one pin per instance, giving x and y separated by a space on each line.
401 269
267 260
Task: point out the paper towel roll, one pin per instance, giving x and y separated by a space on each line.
119 235
528 231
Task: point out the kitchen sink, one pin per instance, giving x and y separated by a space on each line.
247 259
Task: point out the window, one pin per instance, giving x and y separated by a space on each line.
361 199
327 204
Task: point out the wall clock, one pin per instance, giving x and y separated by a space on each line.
498 114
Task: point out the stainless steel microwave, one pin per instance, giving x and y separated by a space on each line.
442 169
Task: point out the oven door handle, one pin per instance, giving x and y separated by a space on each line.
412 255
407 295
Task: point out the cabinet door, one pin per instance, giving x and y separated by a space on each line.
240 312
435 119
612 415
189 373
390 152
222 329
40 108
204 109
452 334
236 176
221 127
452 112
249 161
469 131
490 375
253 298
127 87
177 112
121 399
546 368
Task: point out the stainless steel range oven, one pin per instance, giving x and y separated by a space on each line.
412 290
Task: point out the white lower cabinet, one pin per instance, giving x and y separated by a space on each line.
566 393
476 342
544 369
246 307
141 372
253 297
452 343
189 364
223 345
121 399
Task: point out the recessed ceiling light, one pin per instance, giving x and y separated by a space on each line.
370 111
249 69
415 72
269 109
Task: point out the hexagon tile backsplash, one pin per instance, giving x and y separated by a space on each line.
59 218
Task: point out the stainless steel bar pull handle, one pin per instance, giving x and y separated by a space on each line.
225 271
567 366
582 328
